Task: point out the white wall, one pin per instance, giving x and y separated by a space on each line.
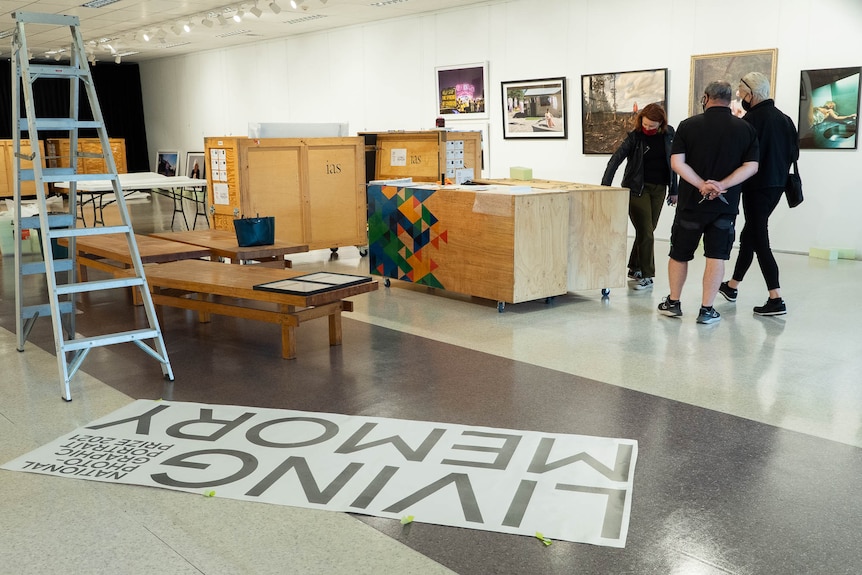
381 76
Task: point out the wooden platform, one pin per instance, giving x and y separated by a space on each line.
223 244
214 288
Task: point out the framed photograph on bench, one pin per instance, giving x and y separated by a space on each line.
168 163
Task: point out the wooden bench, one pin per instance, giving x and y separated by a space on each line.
223 244
214 288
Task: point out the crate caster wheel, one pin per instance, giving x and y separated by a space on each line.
386 282
549 300
605 292
501 305
363 251
333 250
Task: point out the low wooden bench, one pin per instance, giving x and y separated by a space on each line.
215 288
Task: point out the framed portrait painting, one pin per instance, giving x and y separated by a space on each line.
196 167
461 91
167 163
730 67
535 109
829 108
611 101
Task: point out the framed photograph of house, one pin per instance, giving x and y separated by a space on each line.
167 163
196 167
730 67
829 108
535 109
610 103
461 91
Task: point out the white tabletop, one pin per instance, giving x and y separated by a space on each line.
137 181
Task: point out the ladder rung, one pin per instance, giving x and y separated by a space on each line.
54 175
59 124
109 339
52 19
78 232
44 310
34 268
86 287
58 71
54 221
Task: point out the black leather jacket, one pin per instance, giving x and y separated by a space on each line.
632 150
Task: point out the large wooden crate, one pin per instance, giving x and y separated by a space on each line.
7 168
597 229
314 187
504 244
58 155
430 156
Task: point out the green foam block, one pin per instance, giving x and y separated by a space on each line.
519 173
823 253
846 254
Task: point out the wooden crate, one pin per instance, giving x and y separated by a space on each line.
426 156
7 167
314 187
57 152
597 230
502 244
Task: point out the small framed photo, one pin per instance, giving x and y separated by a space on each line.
461 91
829 108
167 163
196 167
535 109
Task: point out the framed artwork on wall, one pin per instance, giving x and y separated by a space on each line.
610 103
730 67
535 108
829 108
196 168
461 91
167 163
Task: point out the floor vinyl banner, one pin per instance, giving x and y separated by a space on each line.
566 487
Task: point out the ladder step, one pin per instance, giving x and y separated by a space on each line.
68 124
54 175
109 339
78 232
37 268
54 221
57 71
100 285
39 18
44 310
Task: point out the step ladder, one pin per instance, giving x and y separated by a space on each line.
70 348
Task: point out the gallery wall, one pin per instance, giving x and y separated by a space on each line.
381 76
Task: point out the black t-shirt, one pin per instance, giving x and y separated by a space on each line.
656 170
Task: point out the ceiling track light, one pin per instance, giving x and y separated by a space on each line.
207 21
293 4
146 36
175 28
221 20
187 27
237 17
256 11
274 7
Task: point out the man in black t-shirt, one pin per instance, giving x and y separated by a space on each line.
713 153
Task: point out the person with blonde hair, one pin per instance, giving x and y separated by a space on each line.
779 148
648 177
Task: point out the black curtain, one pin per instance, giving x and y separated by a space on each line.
118 87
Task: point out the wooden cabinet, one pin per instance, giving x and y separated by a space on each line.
7 167
57 150
314 187
597 230
501 243
430 156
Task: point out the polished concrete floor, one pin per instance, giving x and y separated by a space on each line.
749 430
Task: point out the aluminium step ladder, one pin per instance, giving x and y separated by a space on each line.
70 350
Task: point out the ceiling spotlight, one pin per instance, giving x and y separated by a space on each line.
118 59
275 8
175 29
207 22
256 11
57 56
238 16
187 27
221 20
293 4
146 37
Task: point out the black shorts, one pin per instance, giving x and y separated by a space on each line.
718 232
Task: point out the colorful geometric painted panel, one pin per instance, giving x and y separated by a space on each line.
403 234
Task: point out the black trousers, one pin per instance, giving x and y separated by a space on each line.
644 211
757 206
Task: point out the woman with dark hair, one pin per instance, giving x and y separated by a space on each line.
649 178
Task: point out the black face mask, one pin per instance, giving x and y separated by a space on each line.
746 105
703 102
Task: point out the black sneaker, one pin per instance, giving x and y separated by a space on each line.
772 306
708 315
728 292
635 274
645 283
670 308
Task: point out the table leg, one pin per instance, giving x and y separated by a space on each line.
335 328
288 341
